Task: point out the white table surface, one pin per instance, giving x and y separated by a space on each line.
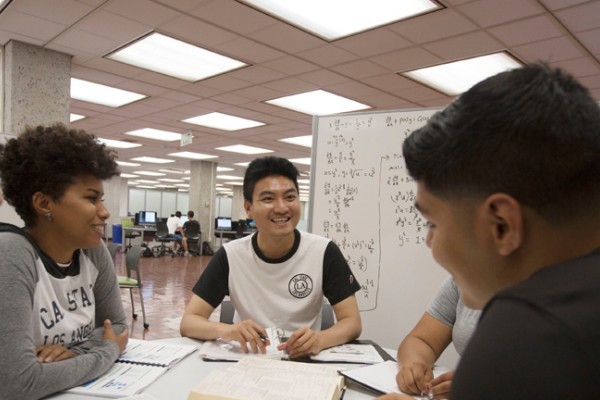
176 383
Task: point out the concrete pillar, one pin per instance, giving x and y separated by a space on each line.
203 175
237 204
37 86
36 92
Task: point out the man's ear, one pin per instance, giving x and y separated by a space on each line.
247 205
504 216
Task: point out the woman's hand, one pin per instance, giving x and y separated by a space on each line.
109 334
414 378
53 352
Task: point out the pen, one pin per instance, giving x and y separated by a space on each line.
263 337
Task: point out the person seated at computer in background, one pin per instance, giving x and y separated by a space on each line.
508 177
63 322
190 221
276 277
446 320
176 231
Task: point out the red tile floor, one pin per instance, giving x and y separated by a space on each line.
167 284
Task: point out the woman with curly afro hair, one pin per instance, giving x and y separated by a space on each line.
63 320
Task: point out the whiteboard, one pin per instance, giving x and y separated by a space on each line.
363 199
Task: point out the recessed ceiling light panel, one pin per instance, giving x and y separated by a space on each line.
318 102
169 56
334 19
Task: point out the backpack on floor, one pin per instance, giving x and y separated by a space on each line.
206 249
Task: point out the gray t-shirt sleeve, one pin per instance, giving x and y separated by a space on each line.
22 376
448 308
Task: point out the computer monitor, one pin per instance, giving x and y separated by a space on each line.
223 223
250 223
148 217
183 219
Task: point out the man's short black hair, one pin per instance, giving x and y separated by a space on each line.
532 133
264 167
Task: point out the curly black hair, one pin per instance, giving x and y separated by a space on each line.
48 159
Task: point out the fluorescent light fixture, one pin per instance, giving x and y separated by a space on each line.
333 19
101 94
223 189
145 187
305 181
129 176
223 169
305 141
74 117
186 178
229 177
243 164
223 121
182 190
170 180
235 183
175 171
147 181
156 134
165 186
318 102
153 160
184 185
243 149
169 56
128 164
149 173
117 144
192 155
304 161
457 77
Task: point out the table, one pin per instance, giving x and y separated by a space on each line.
187 374
220 233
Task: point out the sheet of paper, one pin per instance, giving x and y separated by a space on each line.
121 380
351 353
232 350
155 352
381 377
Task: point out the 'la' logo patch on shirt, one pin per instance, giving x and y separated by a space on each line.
300 286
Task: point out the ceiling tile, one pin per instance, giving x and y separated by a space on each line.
538 28
552 50
327 55
447 23
580 18
373 42
359 69
492 12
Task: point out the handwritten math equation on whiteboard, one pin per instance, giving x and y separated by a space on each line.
363 198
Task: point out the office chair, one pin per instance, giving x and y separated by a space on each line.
128 234
193 233
132 263
162 236
327 317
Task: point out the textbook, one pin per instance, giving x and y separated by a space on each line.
137 367
263 378
219 350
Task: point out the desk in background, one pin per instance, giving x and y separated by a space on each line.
183 377
230 235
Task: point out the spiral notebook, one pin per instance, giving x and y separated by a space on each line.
137 367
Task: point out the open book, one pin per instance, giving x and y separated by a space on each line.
137 367
218 350
263 378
